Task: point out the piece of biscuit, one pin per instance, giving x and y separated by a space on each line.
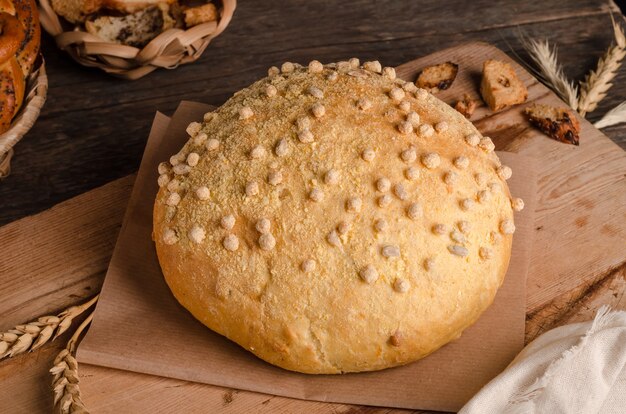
500 87
437 77
558 123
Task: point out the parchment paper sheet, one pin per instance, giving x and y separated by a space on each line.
139 326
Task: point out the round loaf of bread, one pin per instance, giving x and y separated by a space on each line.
334 218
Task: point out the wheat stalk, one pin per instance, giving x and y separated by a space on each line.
67 397
615 116
550 71
33 335
596 84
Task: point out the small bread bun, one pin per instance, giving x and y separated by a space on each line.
20 37
200 14
333 218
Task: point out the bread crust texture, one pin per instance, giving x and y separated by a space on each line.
500 86
20 37
333 218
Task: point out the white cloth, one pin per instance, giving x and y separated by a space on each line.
573 369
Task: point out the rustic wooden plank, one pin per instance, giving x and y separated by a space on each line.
579 304
575 297
26 382
51 261
58 258
139 392
546 277
93 127
582 190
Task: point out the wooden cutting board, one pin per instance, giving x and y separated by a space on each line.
58 258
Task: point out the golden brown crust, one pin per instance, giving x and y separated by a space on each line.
558 123
132 6
11 36
78 11
338 180
200 14
11 92
26 11
500 87
19 47
437 77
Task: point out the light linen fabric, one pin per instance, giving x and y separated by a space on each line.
573 369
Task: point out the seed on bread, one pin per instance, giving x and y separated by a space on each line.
267 241
558 123
500 87
437 77
331 177
197 234
203 193
369 274
315 66
169 236
230 242
308 265
227 222
401 286
412 173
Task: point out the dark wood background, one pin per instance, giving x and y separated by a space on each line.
93 127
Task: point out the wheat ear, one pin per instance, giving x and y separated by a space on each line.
615 116
549 69
596 84
33 335
67 397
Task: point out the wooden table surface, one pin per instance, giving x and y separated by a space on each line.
92 129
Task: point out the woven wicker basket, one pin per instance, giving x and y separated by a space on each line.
37 89
169 49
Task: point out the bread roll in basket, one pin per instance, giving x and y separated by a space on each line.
334 218
23 81
171 48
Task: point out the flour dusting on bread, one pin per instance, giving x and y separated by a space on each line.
341 219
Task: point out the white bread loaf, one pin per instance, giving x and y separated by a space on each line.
334 219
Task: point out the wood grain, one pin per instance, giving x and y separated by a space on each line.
570 177
92 129
582 191
58 258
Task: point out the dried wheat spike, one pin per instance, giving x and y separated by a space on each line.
32 335
599 81
549 70
65 376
